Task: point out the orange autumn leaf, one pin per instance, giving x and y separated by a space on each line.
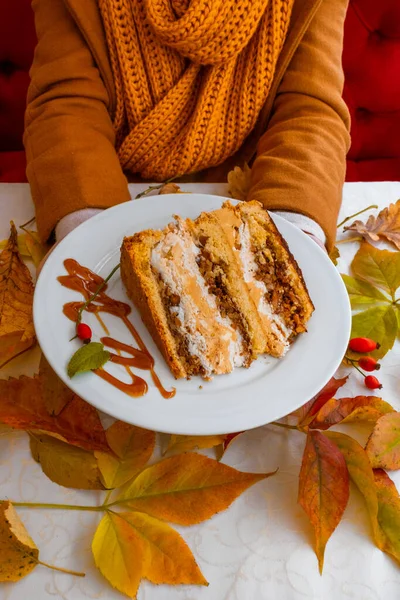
186 443
388 514
22 407
306 412
132 448
186 489
323 488
385 226
361 474
16 297
383 446
56 395
345 410
130 546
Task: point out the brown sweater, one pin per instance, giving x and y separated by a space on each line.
298 145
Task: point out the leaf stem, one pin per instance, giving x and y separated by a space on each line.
68 571
284 425
57 506
353 362
27 223
348 240
151 188
356 214
96 293
109 492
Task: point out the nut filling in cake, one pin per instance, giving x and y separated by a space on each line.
210 337
217 291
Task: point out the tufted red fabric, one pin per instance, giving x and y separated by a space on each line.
17 42
371 61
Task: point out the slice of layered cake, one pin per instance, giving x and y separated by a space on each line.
218 291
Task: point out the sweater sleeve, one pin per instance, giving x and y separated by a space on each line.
301 158
69 138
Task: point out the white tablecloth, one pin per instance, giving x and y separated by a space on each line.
261 548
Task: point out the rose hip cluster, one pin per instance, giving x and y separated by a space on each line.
366 363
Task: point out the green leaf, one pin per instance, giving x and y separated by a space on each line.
378 323
360 472
88 357
362 292
64 464
378 267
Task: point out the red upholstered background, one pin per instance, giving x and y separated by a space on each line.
371 61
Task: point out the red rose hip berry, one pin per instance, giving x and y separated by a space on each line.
368 363
363 345
84 332
372 382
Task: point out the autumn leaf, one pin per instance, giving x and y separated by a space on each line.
132 447
306 412
334 254
239 181
380 268
21 243
360 471
379 324
388 514
383 446
323 488
64 464
170 188
345 410
385 226
22 407
55 393
16 298
186 489
186 443
362 293
130 546
34 246
19 554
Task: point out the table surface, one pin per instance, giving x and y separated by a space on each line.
261 548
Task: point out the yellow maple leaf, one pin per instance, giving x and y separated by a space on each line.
385 226
239 181
34 246
18 552
16 298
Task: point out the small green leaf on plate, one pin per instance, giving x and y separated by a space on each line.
88 357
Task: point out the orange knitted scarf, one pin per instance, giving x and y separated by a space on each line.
191 77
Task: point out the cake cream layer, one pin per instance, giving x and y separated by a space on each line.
238 234
210 337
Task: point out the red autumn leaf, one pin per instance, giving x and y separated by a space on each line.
22 407
360 408
306 412
383 446
323 488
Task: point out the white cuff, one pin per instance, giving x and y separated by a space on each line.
302 222
69 222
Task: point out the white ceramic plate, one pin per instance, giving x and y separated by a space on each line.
246 398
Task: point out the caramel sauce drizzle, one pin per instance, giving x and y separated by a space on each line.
83 280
